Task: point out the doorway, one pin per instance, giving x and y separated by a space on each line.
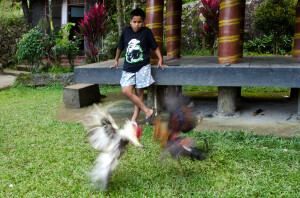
76 13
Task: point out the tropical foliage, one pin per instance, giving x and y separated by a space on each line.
31 49
92 27
210 11
264 45
65 46
277 18
36 46
10 13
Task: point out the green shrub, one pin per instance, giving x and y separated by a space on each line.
277 18
265 45
64 46
31 48
10 13
110 45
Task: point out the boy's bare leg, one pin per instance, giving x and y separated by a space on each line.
140 94
128 92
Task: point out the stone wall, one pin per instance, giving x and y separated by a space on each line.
191 27
46 79
9 37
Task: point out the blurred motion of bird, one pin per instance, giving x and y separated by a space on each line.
106 137
182 119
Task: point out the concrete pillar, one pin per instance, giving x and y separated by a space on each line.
229 31
154 21
298 109
155 97
173 27
227 102
175 89
64 13
294 93
296 50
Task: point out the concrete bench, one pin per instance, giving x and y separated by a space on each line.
205 71
80 95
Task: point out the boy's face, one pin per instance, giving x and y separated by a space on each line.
136 23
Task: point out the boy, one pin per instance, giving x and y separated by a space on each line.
137 41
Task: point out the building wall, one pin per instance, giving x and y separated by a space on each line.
37 12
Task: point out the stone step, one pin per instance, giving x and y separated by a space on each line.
23 68
14 72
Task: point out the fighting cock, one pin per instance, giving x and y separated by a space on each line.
105 136
182 119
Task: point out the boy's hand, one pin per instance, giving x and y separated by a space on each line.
160 64
115 65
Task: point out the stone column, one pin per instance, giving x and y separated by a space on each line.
229 31
296 50
294 93
173 27
64 13
227 102
155 97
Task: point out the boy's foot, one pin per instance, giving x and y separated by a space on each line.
150 119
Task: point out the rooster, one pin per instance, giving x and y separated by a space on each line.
182 119
106 137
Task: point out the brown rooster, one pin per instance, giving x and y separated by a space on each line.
182 119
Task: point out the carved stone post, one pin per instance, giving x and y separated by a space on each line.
154 21
298 110
229 31
173 27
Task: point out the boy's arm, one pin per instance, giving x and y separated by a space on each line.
160 59
118 53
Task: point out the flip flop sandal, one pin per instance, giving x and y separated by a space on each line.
150 119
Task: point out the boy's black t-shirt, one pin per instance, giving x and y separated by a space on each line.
137 46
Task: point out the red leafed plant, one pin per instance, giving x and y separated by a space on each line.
92 27
210 12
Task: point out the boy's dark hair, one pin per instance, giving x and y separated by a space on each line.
137 12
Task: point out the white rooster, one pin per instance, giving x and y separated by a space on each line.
106 137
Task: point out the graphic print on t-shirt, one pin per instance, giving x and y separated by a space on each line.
134 52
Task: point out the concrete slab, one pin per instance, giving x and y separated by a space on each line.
81 95
277 116
6 81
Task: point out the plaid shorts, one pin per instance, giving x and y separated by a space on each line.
140 79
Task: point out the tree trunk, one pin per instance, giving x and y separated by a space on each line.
26 11
124 13
119 11
134 4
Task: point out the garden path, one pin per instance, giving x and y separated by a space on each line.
277 116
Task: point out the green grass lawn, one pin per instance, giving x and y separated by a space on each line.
42 157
